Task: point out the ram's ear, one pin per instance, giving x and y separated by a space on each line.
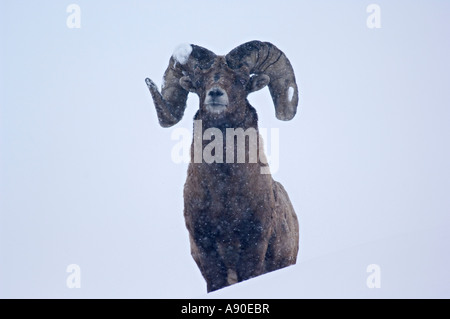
187 84
257 82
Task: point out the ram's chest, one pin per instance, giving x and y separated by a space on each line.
227 209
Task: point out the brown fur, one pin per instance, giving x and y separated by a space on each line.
238 219
241 223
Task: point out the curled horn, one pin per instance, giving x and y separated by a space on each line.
265 58
171 102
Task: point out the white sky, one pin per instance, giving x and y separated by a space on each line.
86 175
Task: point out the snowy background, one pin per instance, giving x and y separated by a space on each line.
86 175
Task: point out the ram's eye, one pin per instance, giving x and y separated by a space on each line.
242 81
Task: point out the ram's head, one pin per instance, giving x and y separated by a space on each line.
223 82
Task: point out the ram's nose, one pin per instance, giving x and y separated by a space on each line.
216 100
216 96
215 92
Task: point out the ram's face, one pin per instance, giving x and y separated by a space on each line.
223 82
221 89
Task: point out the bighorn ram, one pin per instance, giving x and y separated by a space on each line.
241 223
